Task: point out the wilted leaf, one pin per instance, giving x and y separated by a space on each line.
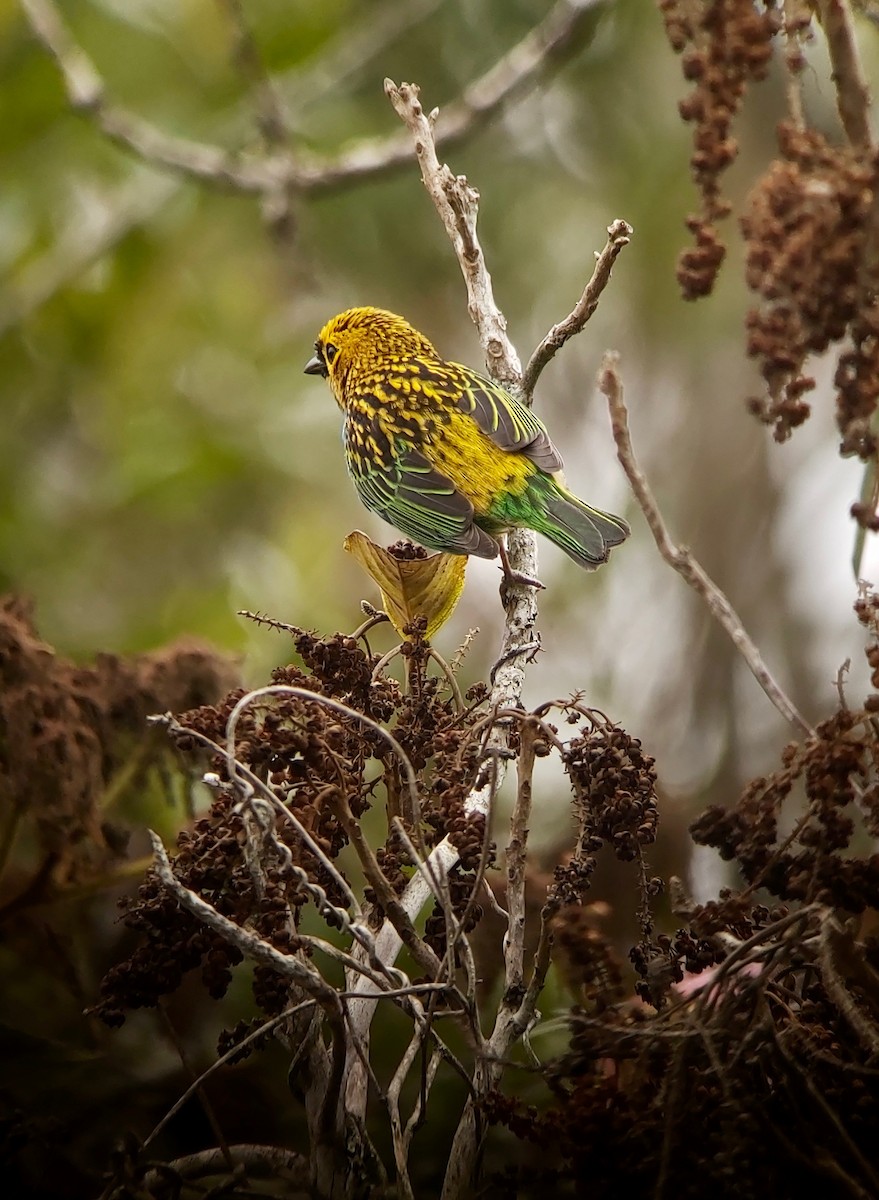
417 587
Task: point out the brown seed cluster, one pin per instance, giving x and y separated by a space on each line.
808 231
614 786
718 1097
320 765
725 45
68 730
828 774
589 962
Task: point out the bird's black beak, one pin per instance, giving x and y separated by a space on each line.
316 366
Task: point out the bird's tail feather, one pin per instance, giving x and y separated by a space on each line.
586 534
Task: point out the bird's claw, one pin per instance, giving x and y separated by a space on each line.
512 577
517 578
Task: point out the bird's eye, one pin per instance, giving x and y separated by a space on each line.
330 352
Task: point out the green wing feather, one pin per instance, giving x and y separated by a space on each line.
405 490
506 420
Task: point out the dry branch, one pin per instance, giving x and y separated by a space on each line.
852 92
680 558
86 93
271 1162
457 204
517 72
282 171
619 234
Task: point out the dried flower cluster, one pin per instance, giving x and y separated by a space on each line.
721 1094
69 731
320 764
810 224
817 861
725 45
808 229
614 788
765 1016
614 785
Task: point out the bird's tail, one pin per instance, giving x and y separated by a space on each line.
586 534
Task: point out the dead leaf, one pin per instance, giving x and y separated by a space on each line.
419 587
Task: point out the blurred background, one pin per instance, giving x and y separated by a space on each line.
165 461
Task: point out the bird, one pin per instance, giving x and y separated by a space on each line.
443 453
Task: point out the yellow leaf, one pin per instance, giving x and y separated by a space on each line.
418 587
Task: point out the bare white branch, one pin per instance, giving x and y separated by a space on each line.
457 204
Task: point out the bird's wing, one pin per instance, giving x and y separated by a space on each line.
506 420
406 491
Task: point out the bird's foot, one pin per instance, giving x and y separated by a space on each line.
512 577
516 577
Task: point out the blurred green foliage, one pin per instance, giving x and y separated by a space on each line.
165 460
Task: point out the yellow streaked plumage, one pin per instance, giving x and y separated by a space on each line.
445 455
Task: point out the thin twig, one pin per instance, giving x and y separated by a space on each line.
450 678
417 1115
416 1042
619 234
462 651
542 958
457 204
272 622
852 92
262 1030
514 943
272 119
680 558
511 77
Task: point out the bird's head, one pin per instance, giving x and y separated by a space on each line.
364 340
